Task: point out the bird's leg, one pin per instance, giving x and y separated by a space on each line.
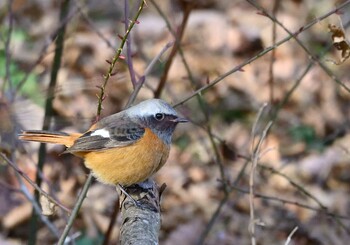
136 203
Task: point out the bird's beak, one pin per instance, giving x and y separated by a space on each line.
180 120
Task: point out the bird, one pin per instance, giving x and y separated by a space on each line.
125 148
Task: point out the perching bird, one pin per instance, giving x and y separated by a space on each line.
122 149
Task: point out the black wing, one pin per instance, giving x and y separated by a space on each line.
110 132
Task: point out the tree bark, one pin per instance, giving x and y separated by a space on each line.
141 222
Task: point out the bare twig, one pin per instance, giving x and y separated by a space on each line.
99 110
262 53
172 31
128 45
75 210
224 179
111 223
289 239
285 201
33 184
116 57
132 98
175 48
92 26
317 60
293 183
199 97
44 52
142 79
30 198
49 110
255 156
328 72
291 91
212 220
208 130
273 53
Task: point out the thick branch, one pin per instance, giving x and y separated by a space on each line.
141 223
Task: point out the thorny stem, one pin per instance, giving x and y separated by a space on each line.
116 57
132 98
88 182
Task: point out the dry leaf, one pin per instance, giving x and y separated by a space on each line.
48 207
340 42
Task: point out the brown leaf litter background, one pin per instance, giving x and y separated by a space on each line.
303 174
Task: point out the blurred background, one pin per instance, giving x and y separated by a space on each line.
284 108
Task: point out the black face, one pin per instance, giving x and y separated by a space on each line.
162 122
163 125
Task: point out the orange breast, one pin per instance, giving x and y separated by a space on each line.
131 164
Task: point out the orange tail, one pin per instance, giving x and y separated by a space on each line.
49 137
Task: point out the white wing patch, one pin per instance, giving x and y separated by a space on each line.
101 132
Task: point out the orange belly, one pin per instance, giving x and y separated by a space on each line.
130 164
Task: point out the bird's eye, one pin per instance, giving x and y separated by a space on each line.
159 116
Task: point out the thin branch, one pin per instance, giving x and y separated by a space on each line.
33 184
49 110
224 179
206 128
305 192
175 48
142 79
273 54
87 19
155 59
313 57
111 223
286 201
43 52
132 98
294 184
76 209
24 190
291 91
289 238
254 162
116 57
128 45
199 97
212 220
262 53
101 97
